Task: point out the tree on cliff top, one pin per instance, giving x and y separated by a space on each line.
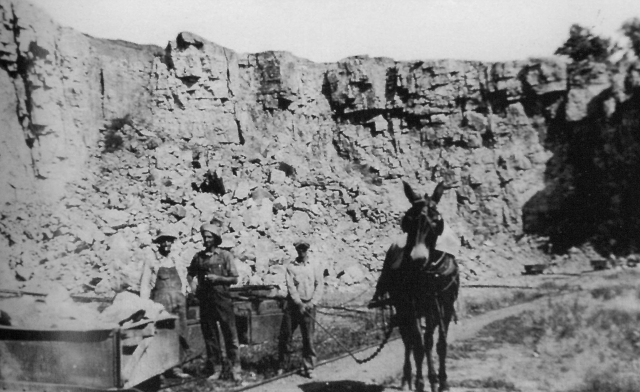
631 29
584 45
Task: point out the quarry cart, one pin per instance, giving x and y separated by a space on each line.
124 358
599 264
87 360
258 317
534 269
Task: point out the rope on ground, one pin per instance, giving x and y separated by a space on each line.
387 335
363 292
346 309
495 286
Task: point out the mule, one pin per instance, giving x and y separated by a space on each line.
422 283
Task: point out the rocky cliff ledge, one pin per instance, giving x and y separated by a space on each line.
104 142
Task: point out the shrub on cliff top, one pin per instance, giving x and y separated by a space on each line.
631 29
584 45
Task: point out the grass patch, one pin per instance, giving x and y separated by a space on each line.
578 333
607 293
471 348
486 383
623 274
471 304
524 329
610 381
553 285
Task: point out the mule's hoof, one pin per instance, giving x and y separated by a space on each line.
434 387
444 387
405 384
420 386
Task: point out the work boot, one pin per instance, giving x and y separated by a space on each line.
215 375
207 369
311 374
234 373
176 372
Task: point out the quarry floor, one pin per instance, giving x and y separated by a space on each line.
474 364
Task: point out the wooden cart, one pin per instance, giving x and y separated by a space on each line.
87 360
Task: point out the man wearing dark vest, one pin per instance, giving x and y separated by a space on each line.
162 282
214 271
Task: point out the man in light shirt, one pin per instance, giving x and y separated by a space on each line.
162 281
305 286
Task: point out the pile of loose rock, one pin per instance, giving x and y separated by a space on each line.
98 237
59 310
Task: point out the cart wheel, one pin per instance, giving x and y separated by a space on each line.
151 385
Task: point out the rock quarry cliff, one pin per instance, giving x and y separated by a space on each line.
105 142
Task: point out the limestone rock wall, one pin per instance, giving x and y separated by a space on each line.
105 142
58 87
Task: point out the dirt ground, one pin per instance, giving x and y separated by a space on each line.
542 335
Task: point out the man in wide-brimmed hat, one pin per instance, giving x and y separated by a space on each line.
214 271
305 286
162 281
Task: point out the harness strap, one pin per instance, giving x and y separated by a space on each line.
440 320
453 280
439 261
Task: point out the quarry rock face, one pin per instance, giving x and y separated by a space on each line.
106 142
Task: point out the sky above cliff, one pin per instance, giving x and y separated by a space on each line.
329 30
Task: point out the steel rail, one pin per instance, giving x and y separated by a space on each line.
348 353
277 377
320 363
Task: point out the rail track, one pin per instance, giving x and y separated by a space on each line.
347 312
381 316
226 386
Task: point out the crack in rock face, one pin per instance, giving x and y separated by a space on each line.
106 140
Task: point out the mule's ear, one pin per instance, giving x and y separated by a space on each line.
437 193
411 195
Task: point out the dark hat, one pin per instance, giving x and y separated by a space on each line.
302 244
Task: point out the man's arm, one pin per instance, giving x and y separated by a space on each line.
318 283
191 273
146 283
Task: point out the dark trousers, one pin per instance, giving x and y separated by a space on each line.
292 318
216 309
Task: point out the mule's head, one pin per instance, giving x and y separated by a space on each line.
422 222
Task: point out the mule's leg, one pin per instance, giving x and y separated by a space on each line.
441 347
418 352
406 369
428 338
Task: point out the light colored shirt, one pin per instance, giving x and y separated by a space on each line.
150 272
305 282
